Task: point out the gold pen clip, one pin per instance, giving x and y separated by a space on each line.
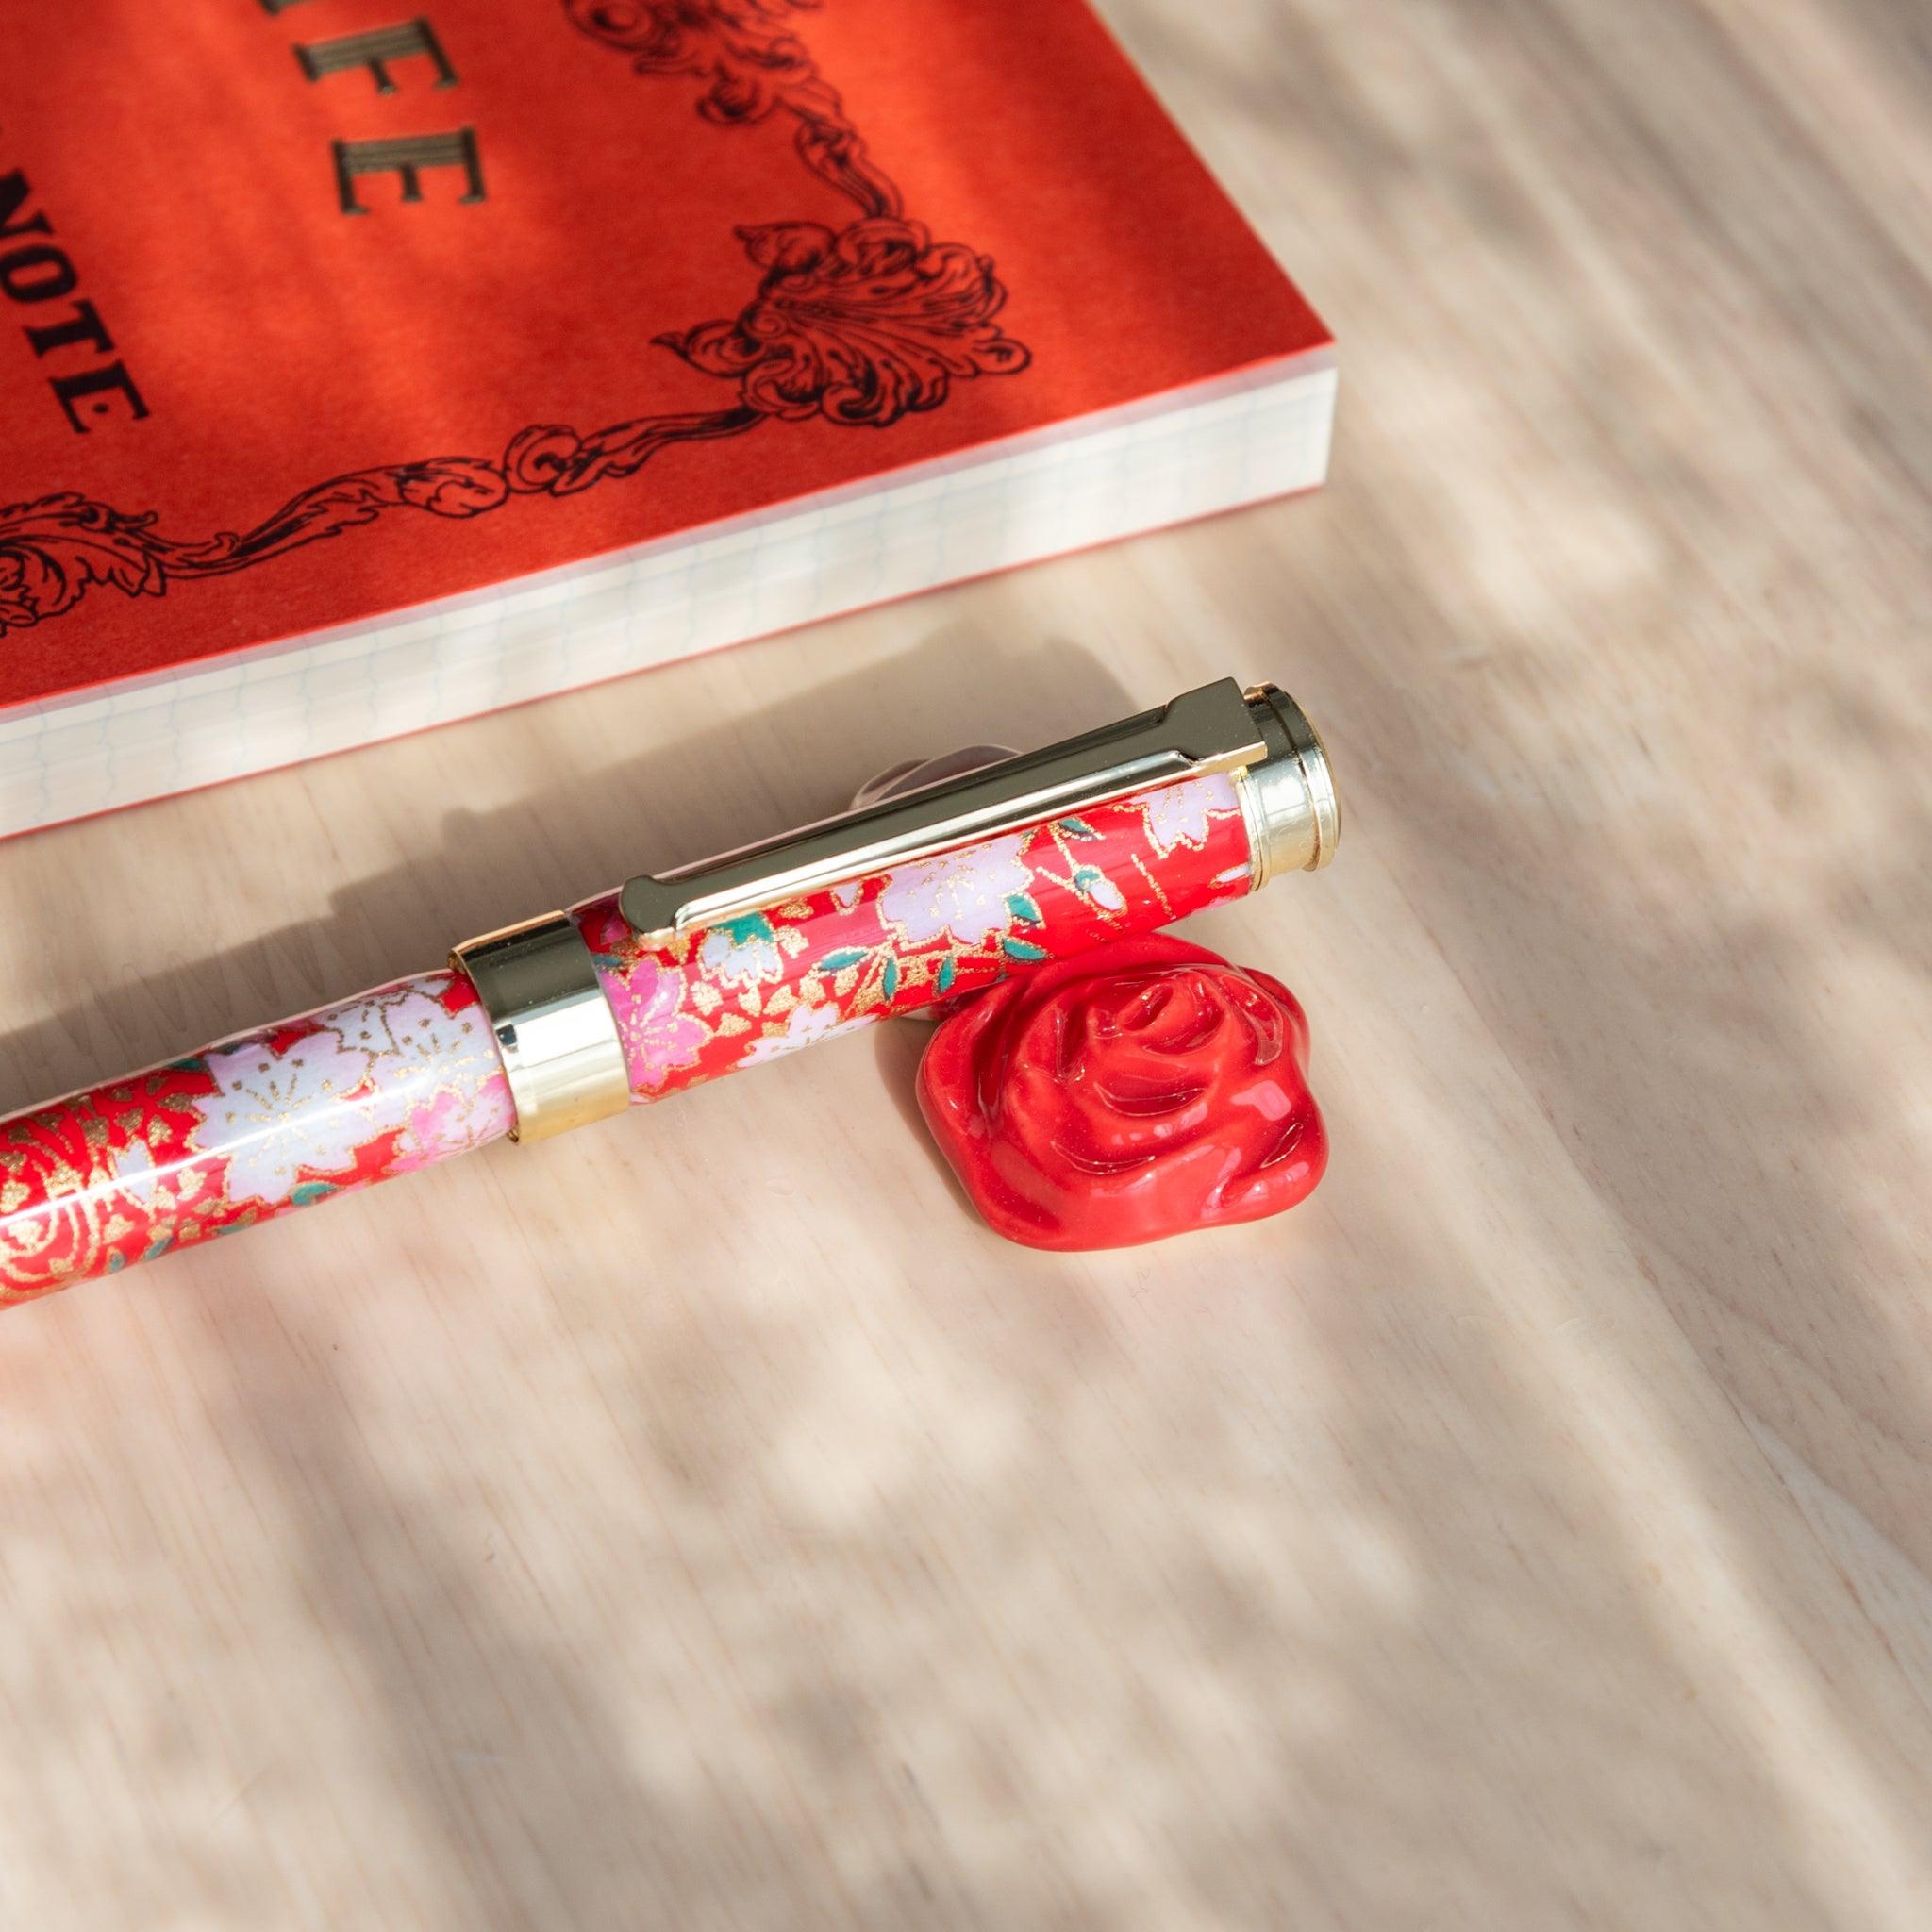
1217 728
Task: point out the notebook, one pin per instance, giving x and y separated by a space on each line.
363 371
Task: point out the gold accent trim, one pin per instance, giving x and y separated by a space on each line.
1215 728
1288 801
554 1029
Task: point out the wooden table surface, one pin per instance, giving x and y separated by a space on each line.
703 1523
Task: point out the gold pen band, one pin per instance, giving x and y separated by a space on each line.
1287 799
554 1029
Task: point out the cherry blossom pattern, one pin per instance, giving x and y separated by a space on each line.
249 1129
409 1073
415 1040
658 1039
294 1112
742 952
1182 815
276 1114
804 1026
965 896
760 985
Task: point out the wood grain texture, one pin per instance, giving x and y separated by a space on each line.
701 1523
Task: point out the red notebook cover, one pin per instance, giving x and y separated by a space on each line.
309 309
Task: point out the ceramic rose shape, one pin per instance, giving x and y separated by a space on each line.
1131 1093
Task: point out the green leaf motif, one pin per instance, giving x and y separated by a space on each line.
949 970
842 956
1022 906
747 925
888 980
1086 877
1022 949
158 1247
1076 828
304 1193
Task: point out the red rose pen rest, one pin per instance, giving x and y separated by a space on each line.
1144 1090
677 979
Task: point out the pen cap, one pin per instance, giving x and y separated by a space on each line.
1289 799
1259 737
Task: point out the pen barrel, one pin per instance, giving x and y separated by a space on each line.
764 984
252 1127
411 1073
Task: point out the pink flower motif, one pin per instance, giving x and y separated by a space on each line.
452 1122
656 1037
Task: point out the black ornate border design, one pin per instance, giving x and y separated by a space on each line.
859 325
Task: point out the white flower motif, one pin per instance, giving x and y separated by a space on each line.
804 1026
438 1071
135 1174
741 952
961 894
1178 814
417 1038
275 1113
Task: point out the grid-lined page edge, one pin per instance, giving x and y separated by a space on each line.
1012 503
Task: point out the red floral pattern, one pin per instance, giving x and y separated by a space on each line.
754 987
245 1130
81 1181
409 1074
